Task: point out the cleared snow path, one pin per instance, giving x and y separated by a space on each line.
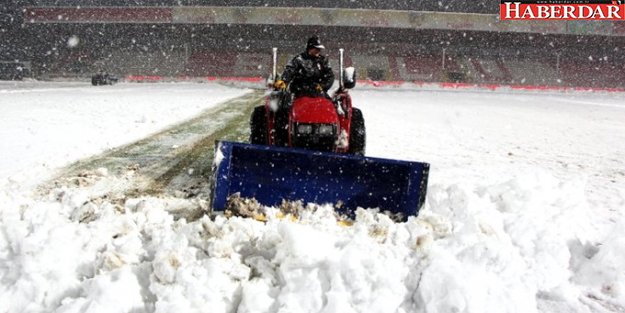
174 161
47 125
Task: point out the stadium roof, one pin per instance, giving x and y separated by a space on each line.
470 6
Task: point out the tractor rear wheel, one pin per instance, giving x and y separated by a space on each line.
258 126
358 133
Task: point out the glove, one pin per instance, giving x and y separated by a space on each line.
280 85
318 88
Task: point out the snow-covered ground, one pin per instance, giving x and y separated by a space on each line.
524 212
47 125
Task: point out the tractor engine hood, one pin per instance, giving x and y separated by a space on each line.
314 110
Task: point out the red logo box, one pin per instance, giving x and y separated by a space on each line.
562 10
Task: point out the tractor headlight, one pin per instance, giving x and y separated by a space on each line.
304 129
325 130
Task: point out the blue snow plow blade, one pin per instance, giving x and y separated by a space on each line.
270 174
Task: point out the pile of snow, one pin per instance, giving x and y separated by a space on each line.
504 229
500 248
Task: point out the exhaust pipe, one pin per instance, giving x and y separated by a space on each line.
341 68
275 61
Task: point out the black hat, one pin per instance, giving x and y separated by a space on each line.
314 42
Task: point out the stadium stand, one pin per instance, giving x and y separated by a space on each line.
490 70
592 73
424 67
378 52
533 72
211 63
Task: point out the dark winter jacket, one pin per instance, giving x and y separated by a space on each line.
304 72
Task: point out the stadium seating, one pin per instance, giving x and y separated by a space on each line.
419 68
592 73
378 52
533 72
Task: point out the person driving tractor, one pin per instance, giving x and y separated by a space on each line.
308 73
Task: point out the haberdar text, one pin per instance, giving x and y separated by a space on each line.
538 11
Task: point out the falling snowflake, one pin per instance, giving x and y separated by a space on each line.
73 41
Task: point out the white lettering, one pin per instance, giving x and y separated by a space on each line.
528 13
587 9
543 11
599 12
568 12
516 10
556 12
562 11
614 12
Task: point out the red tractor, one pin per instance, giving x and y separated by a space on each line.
328 166
319 123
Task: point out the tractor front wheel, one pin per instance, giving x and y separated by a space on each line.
358 133
258 126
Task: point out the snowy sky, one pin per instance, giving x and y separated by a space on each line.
524 211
